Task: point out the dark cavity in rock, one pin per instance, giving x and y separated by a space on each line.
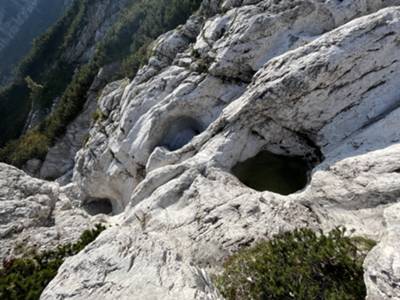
94 206
275 173
180 132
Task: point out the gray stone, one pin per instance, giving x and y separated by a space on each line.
382 266
38 215
331 97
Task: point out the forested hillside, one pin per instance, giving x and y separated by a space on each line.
20 22
49 75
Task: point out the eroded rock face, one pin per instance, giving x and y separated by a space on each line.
36 214
122 148
333 99
383 263
179 132
29 202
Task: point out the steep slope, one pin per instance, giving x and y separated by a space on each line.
316 80
12 15
20 22
52 62
333 99
64 62
211 74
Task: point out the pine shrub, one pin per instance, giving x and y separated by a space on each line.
299 265
26 278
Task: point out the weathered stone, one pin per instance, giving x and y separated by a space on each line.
37 215
382 266
332 99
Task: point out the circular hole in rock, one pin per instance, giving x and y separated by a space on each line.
180 132
94 206
275 173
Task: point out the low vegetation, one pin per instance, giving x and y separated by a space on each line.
299 265
26 278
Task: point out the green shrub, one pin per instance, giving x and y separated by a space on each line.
98 116
34 144
34 87
26 278
299 265
71 103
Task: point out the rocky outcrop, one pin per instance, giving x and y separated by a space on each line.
38 215
383 263
129 136
30 203
320 84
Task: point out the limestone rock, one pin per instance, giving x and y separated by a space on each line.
17 188
118 151
382 266
331 97
36 214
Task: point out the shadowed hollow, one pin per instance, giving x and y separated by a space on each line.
275 173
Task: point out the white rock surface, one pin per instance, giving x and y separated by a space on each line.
36 214
115 159
331 96
382 265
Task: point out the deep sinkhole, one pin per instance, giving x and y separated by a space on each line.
97 206
180 132
275 173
